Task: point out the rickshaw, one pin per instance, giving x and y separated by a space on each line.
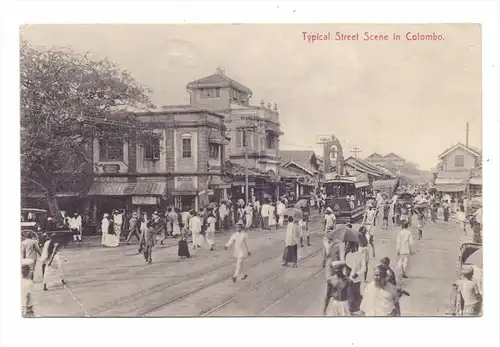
35 224
467 249
406 200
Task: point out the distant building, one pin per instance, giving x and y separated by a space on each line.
456 169
389 159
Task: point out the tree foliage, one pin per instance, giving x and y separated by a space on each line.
60 91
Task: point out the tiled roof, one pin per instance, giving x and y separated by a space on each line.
374 156
218 79
303 158
284 172
471 150
453 174
150 188
361 165
392 155
239 170
111 189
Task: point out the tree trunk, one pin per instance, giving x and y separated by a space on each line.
54 210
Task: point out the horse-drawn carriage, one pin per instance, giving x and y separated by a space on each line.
35 223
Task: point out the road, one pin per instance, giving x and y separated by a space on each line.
107 282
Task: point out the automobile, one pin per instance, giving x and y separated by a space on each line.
34 222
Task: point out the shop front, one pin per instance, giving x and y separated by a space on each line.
185 193
147 196
104 197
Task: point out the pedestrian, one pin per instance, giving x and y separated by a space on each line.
27 285
337 292
304 231
290 252
248 216
183 249
160 224
356 265
380 298
404 248
148 239
51 262
176 221
265 213
280 210
241 251
223 212
142 229
387 210
327 246
105 224
169 225
117 225
75 225
420 222
363 249
462 219
434 212
195 228
369 224
31 250
210 231
133 228
446 211
470 293
272 216
397 214
330 220
391 275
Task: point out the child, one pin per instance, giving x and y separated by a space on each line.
26 288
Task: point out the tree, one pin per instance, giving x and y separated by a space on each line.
60 91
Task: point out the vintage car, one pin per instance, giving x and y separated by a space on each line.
34 222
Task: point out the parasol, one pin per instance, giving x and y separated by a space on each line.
475 258
301 203
343 233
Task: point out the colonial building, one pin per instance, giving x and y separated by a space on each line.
388 161
458 168
174 165
254 130
300 172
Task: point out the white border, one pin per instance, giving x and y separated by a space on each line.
244 332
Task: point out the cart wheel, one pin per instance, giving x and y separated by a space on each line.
27 233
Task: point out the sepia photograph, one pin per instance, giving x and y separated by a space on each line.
251 170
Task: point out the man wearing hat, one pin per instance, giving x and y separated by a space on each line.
195 228
117 224
241 251
330 219
27 287
133 228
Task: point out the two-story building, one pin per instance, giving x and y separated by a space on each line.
254 130
456 167
390 159
172 166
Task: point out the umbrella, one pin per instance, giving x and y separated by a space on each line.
301 203
476 258
294 212
343 233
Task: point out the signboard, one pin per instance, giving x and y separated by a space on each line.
111 168
332 176
144 200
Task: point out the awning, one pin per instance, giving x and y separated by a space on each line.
111 189
476 181
179 192
39 195
450 181
450 188
361 184
150 188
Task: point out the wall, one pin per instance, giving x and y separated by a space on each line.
157 166
213 103
122 164
449 160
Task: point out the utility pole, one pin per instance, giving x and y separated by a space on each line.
355 151
467 135
245 130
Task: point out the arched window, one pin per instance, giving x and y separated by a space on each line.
186 145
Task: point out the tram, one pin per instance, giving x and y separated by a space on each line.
346 196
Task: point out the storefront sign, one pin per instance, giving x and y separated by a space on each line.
144 200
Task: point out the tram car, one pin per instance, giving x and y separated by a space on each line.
34 222
346 196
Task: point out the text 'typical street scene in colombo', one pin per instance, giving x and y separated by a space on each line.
239 170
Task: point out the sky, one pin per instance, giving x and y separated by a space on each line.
412 98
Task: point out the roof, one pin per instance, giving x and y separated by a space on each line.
111 188
374 156
239 170
361 165
218 79
386 171
177 109
394 156
469 149
149 188
453 174
284 172
302 158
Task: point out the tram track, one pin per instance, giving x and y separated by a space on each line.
223 266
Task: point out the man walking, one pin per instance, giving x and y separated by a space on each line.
404 248
31 251
195 228
133 228
147 242
241 251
